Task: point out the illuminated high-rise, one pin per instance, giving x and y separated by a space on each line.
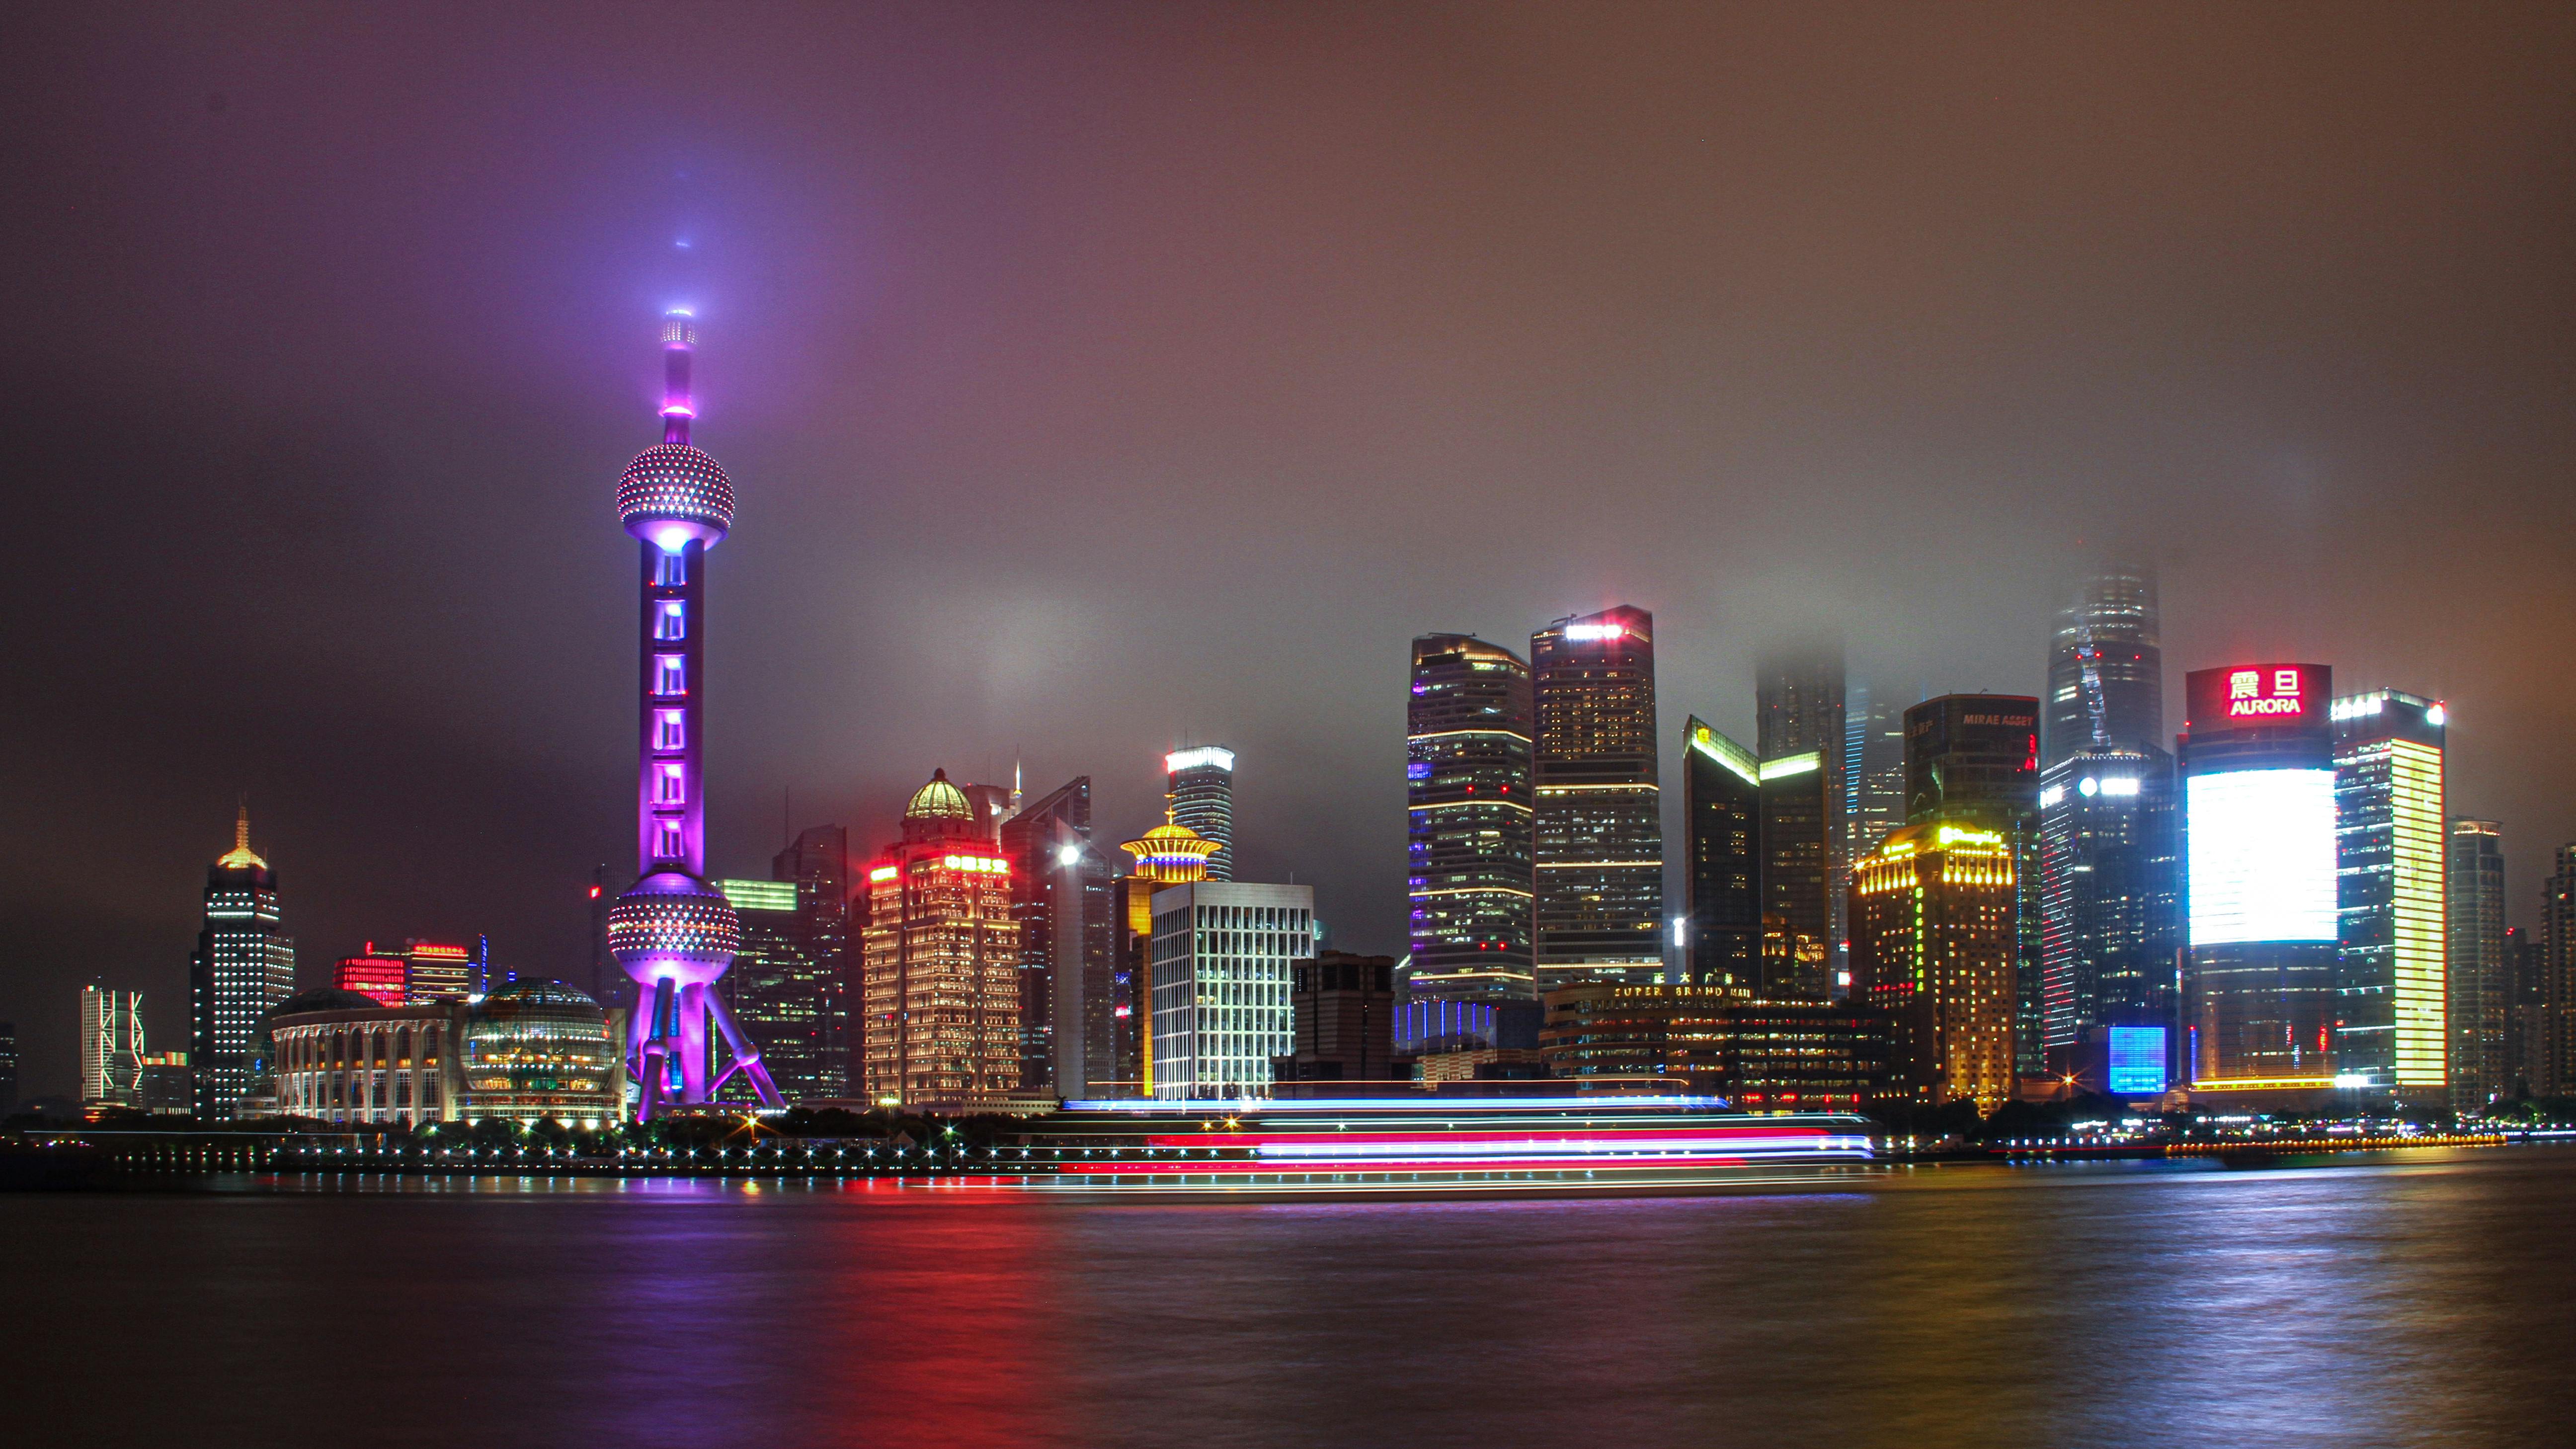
2549 1055
1599 828
1974 759
1800 883
2257 763
783 991
1799 713
818 862
940 962
1469 819
672 932
2480 980
1722 861
2110 899
2392 1000
244 965
1873 766
1060 893
1199 788
111 1061
1932 946
2106 667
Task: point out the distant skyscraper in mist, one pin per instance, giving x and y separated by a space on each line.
2106 667
1798 711
1873 765
1200 790
1469 818
1600 819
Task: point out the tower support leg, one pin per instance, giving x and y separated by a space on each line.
746 1057
654 1068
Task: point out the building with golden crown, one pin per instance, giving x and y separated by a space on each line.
1170 854
939 962
1933 939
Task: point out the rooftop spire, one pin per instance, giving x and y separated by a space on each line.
240 856
679 344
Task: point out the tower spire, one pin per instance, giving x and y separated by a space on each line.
240 857
679 345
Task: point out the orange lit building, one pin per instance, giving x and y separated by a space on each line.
1168 855
940 962
1932 946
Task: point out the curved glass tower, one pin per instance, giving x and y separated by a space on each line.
672 931
1468 819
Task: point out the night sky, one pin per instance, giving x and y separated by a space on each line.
1102 378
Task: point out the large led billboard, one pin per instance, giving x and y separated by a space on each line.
2137 1065
2254 695
2262 850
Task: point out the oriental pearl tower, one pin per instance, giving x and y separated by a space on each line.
674 933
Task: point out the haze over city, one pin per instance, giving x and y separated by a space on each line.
1106 378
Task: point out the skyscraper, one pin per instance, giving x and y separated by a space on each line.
2106 667
1199 787
1722 870
1599 826
1469 819
2392 1000
1170 854
2258 776
1873 766
2550 1046
245 964
1224 959
940 962
818 862
8 1067
1060 894
1974 759
111 1049
1798 711
1799 879
782 991
672 932
2526 1022
2110 897
2480 978
1933 943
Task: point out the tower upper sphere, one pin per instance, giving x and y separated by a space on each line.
672 493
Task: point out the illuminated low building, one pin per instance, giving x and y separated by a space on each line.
2392 972
542 1051
341 1057
940 963
1932 947
1765 1055
111 1049
166 1090
1223 953
384 980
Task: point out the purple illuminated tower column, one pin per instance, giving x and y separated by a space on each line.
671 931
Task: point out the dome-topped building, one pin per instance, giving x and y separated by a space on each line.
540 1050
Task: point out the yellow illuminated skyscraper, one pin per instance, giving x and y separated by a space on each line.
1168 855
940 962
2391 995
1932 944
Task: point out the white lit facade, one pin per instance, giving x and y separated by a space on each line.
2262 856
1221 1009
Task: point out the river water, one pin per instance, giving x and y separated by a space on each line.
2418 1298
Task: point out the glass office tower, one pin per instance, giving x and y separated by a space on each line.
2110 888
2391 998
1199 789
1722 871
2258 777
2481 978
1060 891
2106 667
783 992
1873 766
1470 819
1799 711
1600 835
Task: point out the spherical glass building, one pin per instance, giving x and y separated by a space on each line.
542 1050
